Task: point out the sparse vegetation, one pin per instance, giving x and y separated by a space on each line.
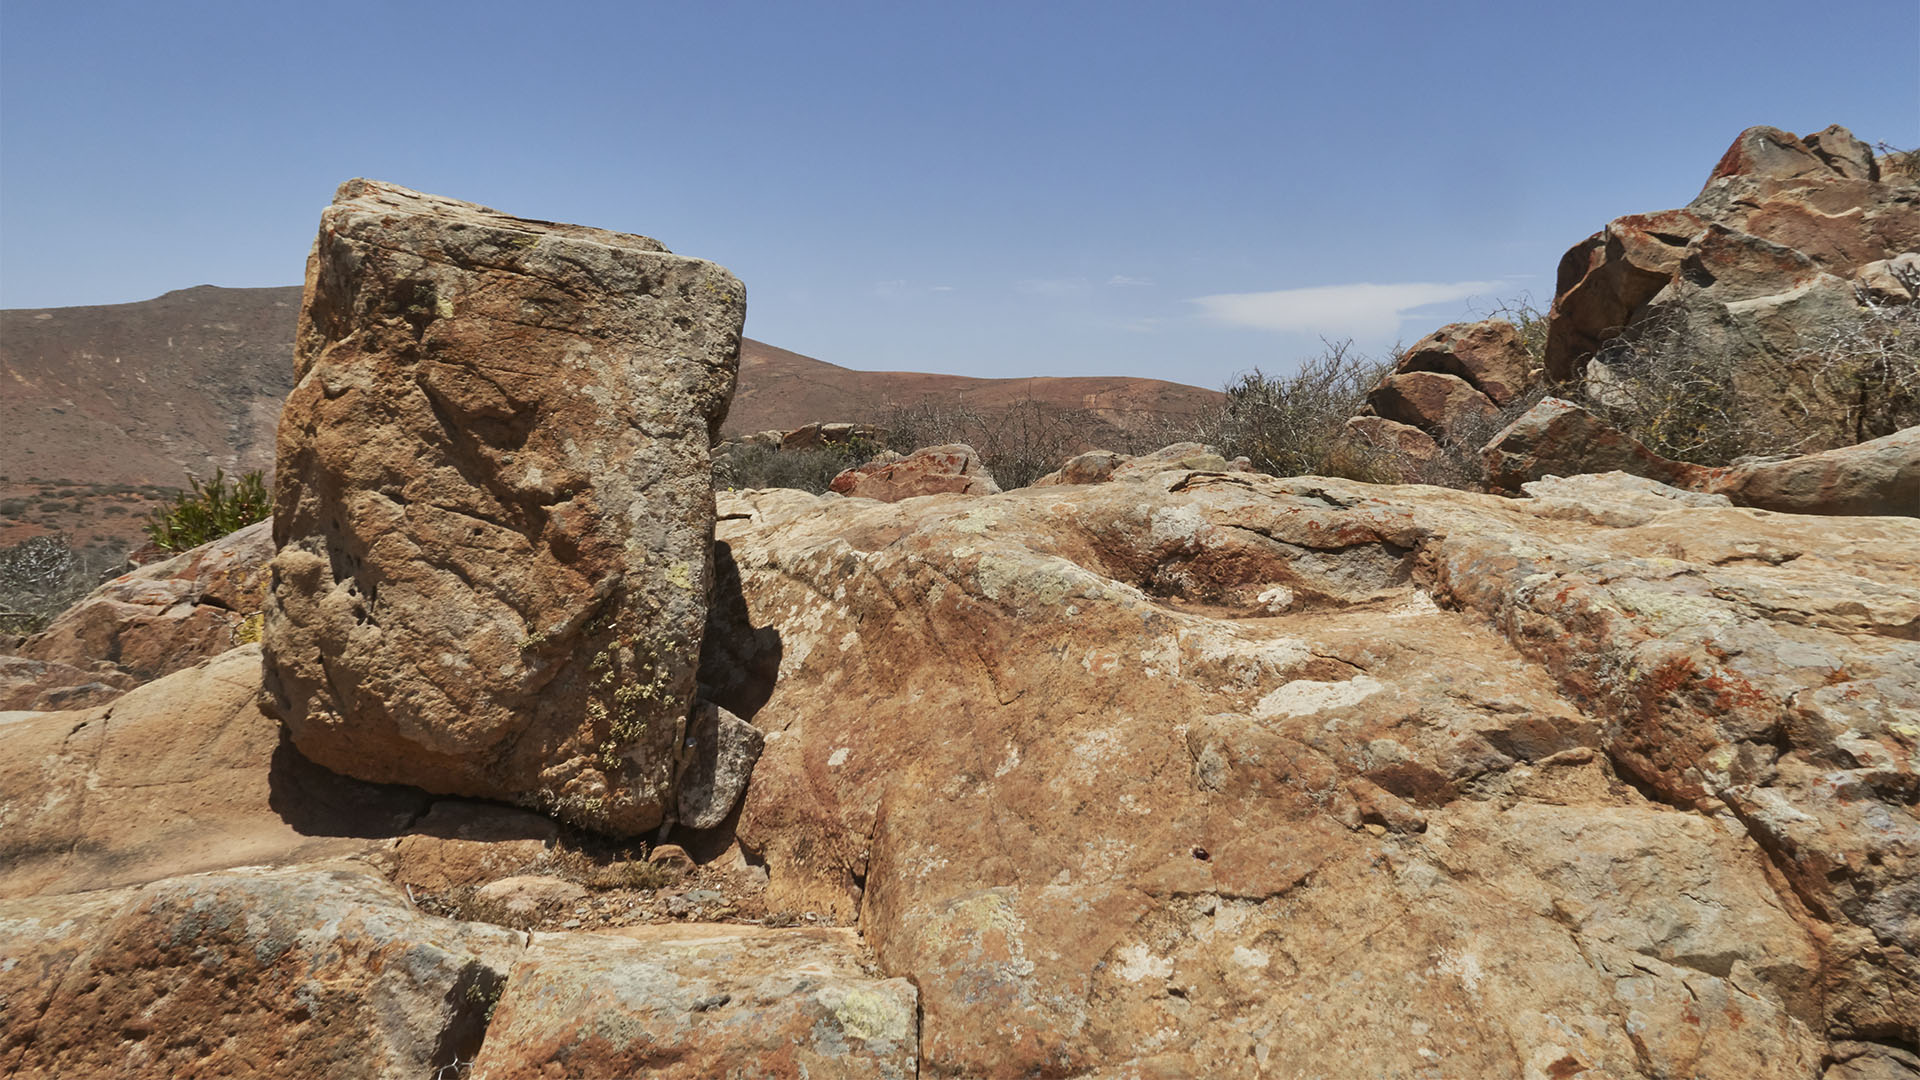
750 465
1850 378
45 575
1290 425
210 511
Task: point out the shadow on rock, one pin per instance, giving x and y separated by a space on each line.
738 661
316 801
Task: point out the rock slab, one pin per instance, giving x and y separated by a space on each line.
494 507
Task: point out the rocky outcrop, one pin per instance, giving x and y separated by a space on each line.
1449 387
954 469
1229 775
493 504
693 1001
322 971
165 616
1757 273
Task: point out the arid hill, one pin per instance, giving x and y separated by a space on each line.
150 392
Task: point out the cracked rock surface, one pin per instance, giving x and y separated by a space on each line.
1233 775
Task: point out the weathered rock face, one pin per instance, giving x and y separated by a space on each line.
1101 466
181 775
165 616
1880 476
1227 775
935 470
1488 355
312 972
1761 276
693 1001
493 504
1558 438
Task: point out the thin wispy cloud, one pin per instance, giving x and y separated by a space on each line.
1363 310
1051 286
1122 281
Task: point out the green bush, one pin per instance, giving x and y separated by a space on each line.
210 511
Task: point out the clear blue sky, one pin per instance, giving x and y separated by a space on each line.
979 188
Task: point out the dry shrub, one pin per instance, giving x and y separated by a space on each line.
750 465
1690 397
1293 425
43 576
1018 444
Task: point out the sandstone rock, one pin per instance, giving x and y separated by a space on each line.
1559 438
1487 354
1092 467
1881 476
460 843
166 616
1606 278
694 1001
1410 448
817 436
312 972
1114 816
1890 281
719 761
1842 153
1432 401
181 775
671 856
935 470
494 504
50 686
518 900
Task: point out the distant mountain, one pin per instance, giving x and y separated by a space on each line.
150 392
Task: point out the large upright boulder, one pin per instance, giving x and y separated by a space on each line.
494 508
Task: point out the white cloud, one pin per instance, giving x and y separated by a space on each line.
1364 310
940 288
1122 280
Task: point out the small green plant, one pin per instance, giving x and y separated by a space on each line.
210 511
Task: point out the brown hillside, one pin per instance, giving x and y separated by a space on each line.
147 393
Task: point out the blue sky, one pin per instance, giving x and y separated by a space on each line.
1171 190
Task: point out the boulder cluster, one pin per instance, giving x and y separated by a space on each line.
1158 767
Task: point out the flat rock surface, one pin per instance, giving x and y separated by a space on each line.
694 1000
183 774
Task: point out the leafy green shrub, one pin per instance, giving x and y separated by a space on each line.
210 511
43 576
